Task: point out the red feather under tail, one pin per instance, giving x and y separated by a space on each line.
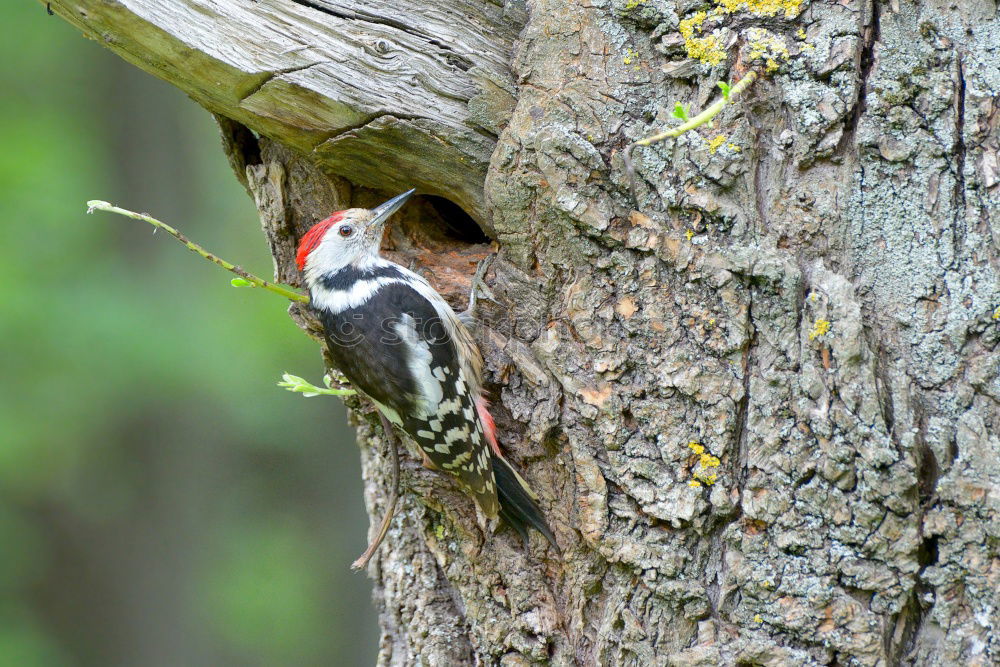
518 503
489 427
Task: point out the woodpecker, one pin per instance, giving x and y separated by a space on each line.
400 343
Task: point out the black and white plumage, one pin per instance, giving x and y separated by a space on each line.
397 340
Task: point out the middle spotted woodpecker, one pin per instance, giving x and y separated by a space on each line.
395 339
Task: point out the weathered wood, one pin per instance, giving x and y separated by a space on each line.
393 95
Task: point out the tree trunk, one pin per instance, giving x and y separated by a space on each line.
813 299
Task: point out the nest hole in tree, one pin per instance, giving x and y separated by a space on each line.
436 238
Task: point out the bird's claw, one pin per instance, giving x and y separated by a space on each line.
478 287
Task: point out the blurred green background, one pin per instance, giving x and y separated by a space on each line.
162 502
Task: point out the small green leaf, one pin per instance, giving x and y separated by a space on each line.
240 282
725 87
307 389
680 112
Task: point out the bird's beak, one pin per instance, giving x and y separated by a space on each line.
382 212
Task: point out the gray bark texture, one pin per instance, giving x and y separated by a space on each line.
812 299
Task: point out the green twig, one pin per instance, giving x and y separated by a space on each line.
728 94
706 115
251 280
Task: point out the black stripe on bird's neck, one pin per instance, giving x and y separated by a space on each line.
343 279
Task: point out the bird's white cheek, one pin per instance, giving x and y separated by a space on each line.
330 255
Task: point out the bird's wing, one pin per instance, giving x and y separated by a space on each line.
402 349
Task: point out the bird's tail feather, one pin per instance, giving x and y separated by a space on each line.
518 508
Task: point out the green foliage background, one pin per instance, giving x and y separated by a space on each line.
161 500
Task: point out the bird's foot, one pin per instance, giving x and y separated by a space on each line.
478 286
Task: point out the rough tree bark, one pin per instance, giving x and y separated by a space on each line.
854 519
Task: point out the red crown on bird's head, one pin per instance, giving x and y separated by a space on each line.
314 236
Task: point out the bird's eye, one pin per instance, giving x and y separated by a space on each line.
346 230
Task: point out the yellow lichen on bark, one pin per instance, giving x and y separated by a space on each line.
762 7
707 49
